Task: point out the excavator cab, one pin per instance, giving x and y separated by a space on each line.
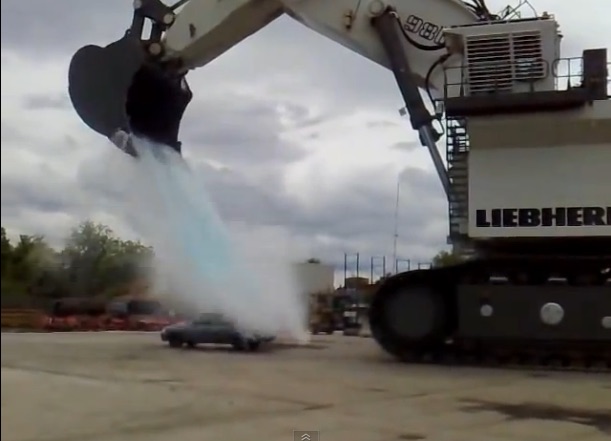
125 89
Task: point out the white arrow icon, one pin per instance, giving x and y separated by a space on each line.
306 437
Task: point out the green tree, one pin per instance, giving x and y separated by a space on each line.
128 264
86 248
98 262
446 258
29 256
93 262
7 252
24 266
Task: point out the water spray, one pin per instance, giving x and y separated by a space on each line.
195 254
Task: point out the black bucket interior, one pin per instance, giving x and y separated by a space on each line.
156 103
115 88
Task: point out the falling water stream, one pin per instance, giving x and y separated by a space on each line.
197 258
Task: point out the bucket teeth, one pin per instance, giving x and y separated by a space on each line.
124 142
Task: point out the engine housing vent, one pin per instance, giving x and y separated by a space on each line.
509 57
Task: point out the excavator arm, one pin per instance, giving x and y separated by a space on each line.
137 86
204 30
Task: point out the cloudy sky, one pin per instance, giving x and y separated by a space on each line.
298 139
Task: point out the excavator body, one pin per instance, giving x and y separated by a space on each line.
526 172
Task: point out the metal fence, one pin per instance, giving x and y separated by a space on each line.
374 268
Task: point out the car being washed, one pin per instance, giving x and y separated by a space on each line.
211 328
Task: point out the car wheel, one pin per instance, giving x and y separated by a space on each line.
254 345
239 344
175 342
190 345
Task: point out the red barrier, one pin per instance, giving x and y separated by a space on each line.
104 323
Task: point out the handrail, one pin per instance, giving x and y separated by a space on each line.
567 73
513 12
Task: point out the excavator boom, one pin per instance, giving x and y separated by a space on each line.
137 85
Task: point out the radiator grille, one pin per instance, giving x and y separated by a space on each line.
495 63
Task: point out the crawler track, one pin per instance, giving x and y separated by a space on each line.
454 340
510 357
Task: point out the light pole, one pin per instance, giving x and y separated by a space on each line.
396 229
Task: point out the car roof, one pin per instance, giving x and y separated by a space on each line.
212 316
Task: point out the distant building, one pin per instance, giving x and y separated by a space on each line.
356 282
314 277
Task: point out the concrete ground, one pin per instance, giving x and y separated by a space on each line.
117 386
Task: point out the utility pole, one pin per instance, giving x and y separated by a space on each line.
396 231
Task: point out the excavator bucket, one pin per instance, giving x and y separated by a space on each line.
117 92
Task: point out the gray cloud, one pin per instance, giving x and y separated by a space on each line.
240 130
46 102
368 207
406 146
10 133
46 196
46 28
237 199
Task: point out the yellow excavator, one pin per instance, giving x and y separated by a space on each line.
322 314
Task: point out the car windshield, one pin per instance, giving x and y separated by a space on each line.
211 319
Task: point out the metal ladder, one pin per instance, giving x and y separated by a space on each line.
457 151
